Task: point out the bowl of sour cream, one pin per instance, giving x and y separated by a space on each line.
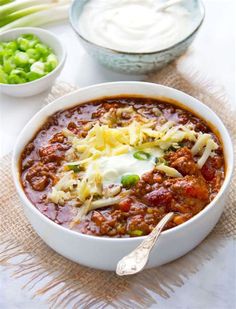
136 36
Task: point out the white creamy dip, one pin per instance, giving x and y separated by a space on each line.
134 25
114 167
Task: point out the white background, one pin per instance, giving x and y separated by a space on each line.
212 54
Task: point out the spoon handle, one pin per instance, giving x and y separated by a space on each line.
135 261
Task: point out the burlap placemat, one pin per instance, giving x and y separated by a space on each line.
66 284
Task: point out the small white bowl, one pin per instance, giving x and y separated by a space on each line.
39 85
105 252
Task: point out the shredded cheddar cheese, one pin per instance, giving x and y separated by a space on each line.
102 154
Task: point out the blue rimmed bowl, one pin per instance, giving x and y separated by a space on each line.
137 63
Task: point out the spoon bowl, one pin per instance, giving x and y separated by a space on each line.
134 262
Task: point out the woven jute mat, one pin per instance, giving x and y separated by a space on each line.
66 284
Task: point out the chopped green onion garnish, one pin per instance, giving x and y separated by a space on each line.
8 65
3 76
136 233
161 161
33 76
141 155
74 168
129 180
51 62
17 76
37 67
174 147
25 59
21 58
33 54
42 49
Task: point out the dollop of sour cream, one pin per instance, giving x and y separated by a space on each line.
134 25
113 168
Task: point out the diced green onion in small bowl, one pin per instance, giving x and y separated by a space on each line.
30 61
25 59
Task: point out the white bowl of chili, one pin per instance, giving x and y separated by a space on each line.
82 245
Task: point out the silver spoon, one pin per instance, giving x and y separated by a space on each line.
135 261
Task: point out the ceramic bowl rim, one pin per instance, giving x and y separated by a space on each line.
118 52
224 136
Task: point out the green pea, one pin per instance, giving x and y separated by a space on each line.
129 180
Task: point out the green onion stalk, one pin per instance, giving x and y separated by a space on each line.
32 13
5 1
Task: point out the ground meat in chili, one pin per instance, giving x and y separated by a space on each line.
154 195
